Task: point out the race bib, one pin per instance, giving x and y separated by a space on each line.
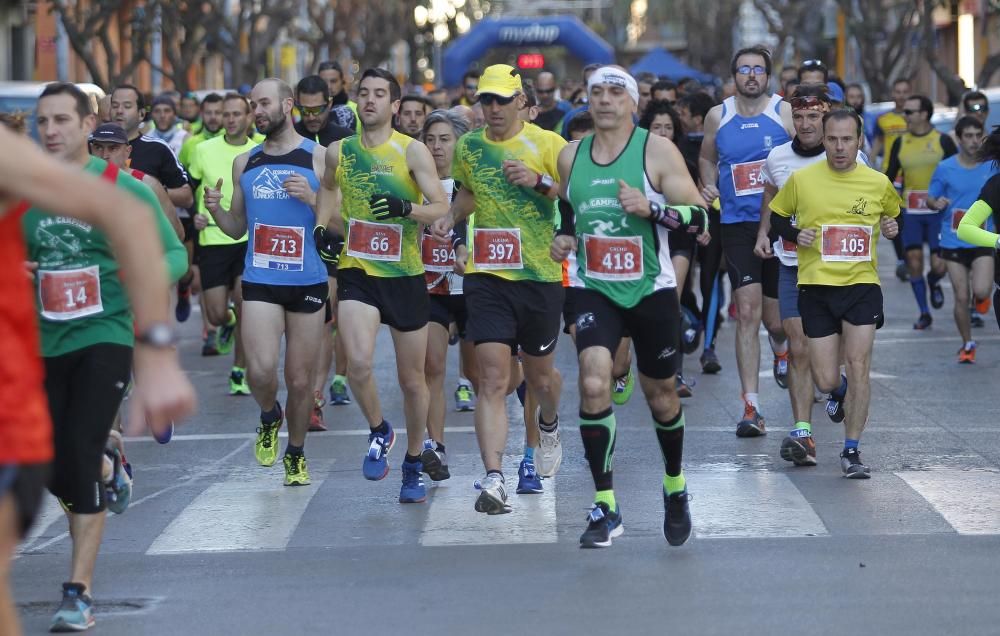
278 247
748 178
437 256
613 258
956 217
375 241
847 243
789 246
497 248
916 202
71 293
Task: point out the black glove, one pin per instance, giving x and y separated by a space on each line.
385 206
328 244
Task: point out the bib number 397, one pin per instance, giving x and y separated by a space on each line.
613 258
497 248
375 241
748 178
278 247
70 294
847 243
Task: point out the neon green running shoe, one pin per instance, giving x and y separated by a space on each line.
238 382
225 337
296 473
621 388
266 448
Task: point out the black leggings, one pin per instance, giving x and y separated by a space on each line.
709 259
85 389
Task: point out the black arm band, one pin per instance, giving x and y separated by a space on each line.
460 234
782 225
567 219
692 218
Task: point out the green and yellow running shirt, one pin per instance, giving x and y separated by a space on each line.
622 256
212 160
917 156
513 225
386 249
79 295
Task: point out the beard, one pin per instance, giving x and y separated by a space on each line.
275 124
751 92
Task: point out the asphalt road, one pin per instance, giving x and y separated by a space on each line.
214 544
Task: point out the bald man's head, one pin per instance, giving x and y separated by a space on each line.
272 101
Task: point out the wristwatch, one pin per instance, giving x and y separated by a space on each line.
159 335
544 183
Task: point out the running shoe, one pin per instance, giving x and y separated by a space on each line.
412 490
296 471
835 406
602 526
76 612
182 311
338 393
226 337
208 346
982 306
752 424
316 424
238 382
923 322
850 463
937 294
551 449
266 447
376 464
118 489
710 362
165 435
621 388
492 495
676 517
528 481
691 329
902 273
967 354
435 462
799 448
683 387
976 320
464 400
781 369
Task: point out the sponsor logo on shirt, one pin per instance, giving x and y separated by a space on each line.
267 184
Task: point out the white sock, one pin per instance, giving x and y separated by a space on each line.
753 399
778 349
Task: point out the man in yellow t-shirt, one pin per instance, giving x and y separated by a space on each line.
840 206
888 128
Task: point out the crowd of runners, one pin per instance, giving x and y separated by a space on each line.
630 213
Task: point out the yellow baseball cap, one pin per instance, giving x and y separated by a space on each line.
500 79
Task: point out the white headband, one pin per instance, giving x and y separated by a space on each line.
614 77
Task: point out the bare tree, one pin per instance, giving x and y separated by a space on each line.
954 84
96 30
788 21
360 29
884 30
708 26
187 28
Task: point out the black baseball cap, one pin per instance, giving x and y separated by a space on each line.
112 133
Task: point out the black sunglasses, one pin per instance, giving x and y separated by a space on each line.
813 64
488 99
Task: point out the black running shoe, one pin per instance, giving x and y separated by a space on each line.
710 362
602 526
937 294
676 517
850 463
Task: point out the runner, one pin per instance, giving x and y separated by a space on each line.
739 133
987 206
413 111
809 104
381 176
619 173
165 126
87 329
313 101
284 281
839 206
889 127
221 258
915 155
343 111
513 290
441 131
953 190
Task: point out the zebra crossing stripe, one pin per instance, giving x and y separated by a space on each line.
968 500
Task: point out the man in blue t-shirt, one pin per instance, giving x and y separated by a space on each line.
954 187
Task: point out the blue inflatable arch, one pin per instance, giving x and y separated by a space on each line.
567 31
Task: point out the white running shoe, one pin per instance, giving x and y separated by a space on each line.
492 495
551 454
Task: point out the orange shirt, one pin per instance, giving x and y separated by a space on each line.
26 435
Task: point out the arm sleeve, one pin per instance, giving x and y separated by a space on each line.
970 230
948 146
893 170
567 219
782 226
460 234
172 175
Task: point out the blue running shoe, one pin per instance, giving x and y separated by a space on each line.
412 490
528 481
835 405
338 392
165 435
119 488
676 517
376 466
76 612
602 526
183 309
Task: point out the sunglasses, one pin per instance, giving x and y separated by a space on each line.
972 108
813 64
312 111
488 99
754 70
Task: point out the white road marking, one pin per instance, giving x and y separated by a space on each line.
755 505
208 437
968 500
250 511
874 375
452 519
49 513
